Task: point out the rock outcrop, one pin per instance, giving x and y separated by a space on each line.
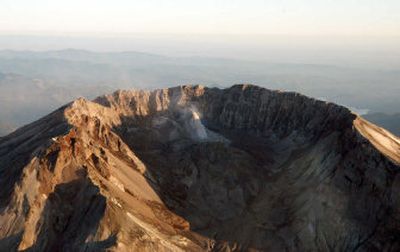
200 169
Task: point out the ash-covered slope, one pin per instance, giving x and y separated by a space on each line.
196 169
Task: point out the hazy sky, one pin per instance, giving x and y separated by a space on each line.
282 17
362 32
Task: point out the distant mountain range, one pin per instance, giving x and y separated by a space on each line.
33 83
24 99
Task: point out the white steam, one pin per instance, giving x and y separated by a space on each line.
184 121
194 125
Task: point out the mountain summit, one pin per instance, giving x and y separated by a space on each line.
192 168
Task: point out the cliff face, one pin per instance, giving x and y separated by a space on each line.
193 169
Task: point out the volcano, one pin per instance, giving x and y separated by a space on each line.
192 168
